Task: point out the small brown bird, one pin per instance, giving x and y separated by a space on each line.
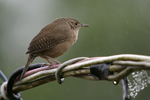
53 40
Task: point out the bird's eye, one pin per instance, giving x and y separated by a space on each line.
76 23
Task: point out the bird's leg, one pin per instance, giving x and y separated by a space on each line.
57 62
51 66
50 63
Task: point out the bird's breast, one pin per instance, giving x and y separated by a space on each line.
74 37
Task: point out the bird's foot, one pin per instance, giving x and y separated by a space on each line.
52 66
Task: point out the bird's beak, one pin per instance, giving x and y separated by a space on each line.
85 25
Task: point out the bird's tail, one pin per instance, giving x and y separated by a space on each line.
29 61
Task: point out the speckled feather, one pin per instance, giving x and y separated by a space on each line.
45 43
48 37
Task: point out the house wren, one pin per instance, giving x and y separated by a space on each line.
53 40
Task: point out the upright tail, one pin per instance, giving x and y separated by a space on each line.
29 61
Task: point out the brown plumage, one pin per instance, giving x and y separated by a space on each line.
53 40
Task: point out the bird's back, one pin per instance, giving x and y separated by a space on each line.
50 36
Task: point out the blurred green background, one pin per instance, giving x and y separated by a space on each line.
117 27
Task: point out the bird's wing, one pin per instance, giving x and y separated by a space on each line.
47 40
